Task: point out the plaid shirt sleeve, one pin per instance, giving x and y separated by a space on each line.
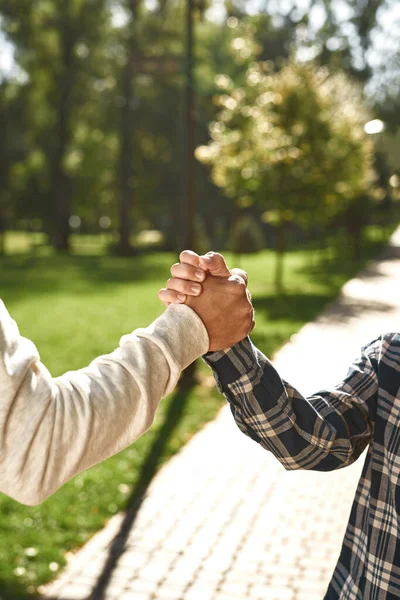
326 431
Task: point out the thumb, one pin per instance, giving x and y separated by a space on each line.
215 264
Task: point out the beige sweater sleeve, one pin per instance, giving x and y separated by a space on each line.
51 429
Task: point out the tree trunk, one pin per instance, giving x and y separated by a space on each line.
61 236
3 228
126 138
188 379
188 199
280 252
61 188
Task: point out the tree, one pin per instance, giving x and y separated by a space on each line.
57 48
336 33
188 191
291 141
12 150
127 125
119 127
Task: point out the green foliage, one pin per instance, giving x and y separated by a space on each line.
11 148
389 143
86 116
59 49
290 140
67 108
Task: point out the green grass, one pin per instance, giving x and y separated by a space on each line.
75 308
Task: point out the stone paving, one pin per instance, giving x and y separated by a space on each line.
223 520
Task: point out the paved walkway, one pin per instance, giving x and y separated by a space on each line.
223 520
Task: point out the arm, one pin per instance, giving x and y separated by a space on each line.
51 429
327 431
324 432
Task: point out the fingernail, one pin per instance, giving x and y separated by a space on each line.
199 275
181 297
196 289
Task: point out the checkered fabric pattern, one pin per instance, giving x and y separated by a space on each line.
327 431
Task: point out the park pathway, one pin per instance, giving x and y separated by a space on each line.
223 520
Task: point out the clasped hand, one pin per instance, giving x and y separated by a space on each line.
217 294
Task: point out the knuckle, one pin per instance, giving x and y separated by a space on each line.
236 280
218 259
240 273
174 267
214 256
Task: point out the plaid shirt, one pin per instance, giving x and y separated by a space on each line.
329 431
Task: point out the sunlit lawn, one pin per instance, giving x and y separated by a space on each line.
76 308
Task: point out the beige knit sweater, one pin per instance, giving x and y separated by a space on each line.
51 429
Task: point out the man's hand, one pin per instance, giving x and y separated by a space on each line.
188 275
225 306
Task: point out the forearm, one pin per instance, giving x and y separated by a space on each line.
323 432
51 429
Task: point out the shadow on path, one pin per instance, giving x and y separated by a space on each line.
293 310
135 501
148 470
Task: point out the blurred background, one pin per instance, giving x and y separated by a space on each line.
103 103
131 129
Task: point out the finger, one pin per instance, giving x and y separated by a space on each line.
186 271
168 297
215 264
189 257
241 274
161 298
184 287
